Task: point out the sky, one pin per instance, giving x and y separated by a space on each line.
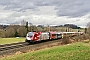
46 12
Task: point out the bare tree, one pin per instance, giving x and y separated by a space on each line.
22 31
9 32
32 28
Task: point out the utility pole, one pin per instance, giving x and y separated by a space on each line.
49 28
68 28
85 30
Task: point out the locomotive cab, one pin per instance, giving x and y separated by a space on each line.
29 36
32 36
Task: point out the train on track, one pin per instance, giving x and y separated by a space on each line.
39 36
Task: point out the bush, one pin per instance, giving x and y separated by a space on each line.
66 40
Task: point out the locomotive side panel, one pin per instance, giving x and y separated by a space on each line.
44 36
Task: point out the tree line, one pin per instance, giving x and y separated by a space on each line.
16 31
21 30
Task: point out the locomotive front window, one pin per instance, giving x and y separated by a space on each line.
30 34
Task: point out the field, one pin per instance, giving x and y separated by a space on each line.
75 51
11 40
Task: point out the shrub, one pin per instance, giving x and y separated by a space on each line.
66 40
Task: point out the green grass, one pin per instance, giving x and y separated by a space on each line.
11 40
76 51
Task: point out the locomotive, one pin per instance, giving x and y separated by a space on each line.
38 36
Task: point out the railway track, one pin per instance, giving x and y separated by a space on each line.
8 47
23 47
10 44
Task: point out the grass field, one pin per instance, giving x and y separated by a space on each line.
11 40
76 51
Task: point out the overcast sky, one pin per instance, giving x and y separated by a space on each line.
52 12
